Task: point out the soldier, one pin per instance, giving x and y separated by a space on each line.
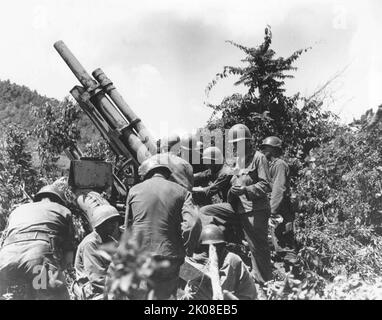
220 214
280 196
191 151
235 279
91 266
217 176
38 246
182 172
162 214
248 197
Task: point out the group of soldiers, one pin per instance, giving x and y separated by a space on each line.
189 199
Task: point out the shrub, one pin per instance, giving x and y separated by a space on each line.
341 205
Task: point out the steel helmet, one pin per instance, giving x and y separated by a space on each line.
213 154
168 142
211 234
273 142
238 133
152 163
190 142
50 190
101 214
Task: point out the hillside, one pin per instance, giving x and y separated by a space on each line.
16 102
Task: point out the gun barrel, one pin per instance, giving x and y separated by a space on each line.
129 114
112 127
101 123
79 71
117 124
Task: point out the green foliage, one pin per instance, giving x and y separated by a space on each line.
264 73
341 205
56 130
131 269
18 180
311 287
100 149
16 103
314 287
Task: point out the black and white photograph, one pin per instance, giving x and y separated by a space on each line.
181 152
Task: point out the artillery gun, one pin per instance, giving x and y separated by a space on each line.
119 126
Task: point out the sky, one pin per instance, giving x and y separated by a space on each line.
162 54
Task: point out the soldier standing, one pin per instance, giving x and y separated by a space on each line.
248 197
38 246
163 215
280 196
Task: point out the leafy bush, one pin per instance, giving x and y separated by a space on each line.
131 269
314 287
56 130
18 179
341 205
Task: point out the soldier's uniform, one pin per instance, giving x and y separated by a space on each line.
220 214
280 201
91 266
214 183
36 239
234 277
163 213
254 211
182 172
233 274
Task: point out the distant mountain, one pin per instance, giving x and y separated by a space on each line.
16 104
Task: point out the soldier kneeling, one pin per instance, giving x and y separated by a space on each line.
235 281
91 266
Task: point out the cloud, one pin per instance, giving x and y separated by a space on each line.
148 81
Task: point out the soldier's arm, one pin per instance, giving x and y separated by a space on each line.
279 187
202 178
191 225
220 184
262 187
